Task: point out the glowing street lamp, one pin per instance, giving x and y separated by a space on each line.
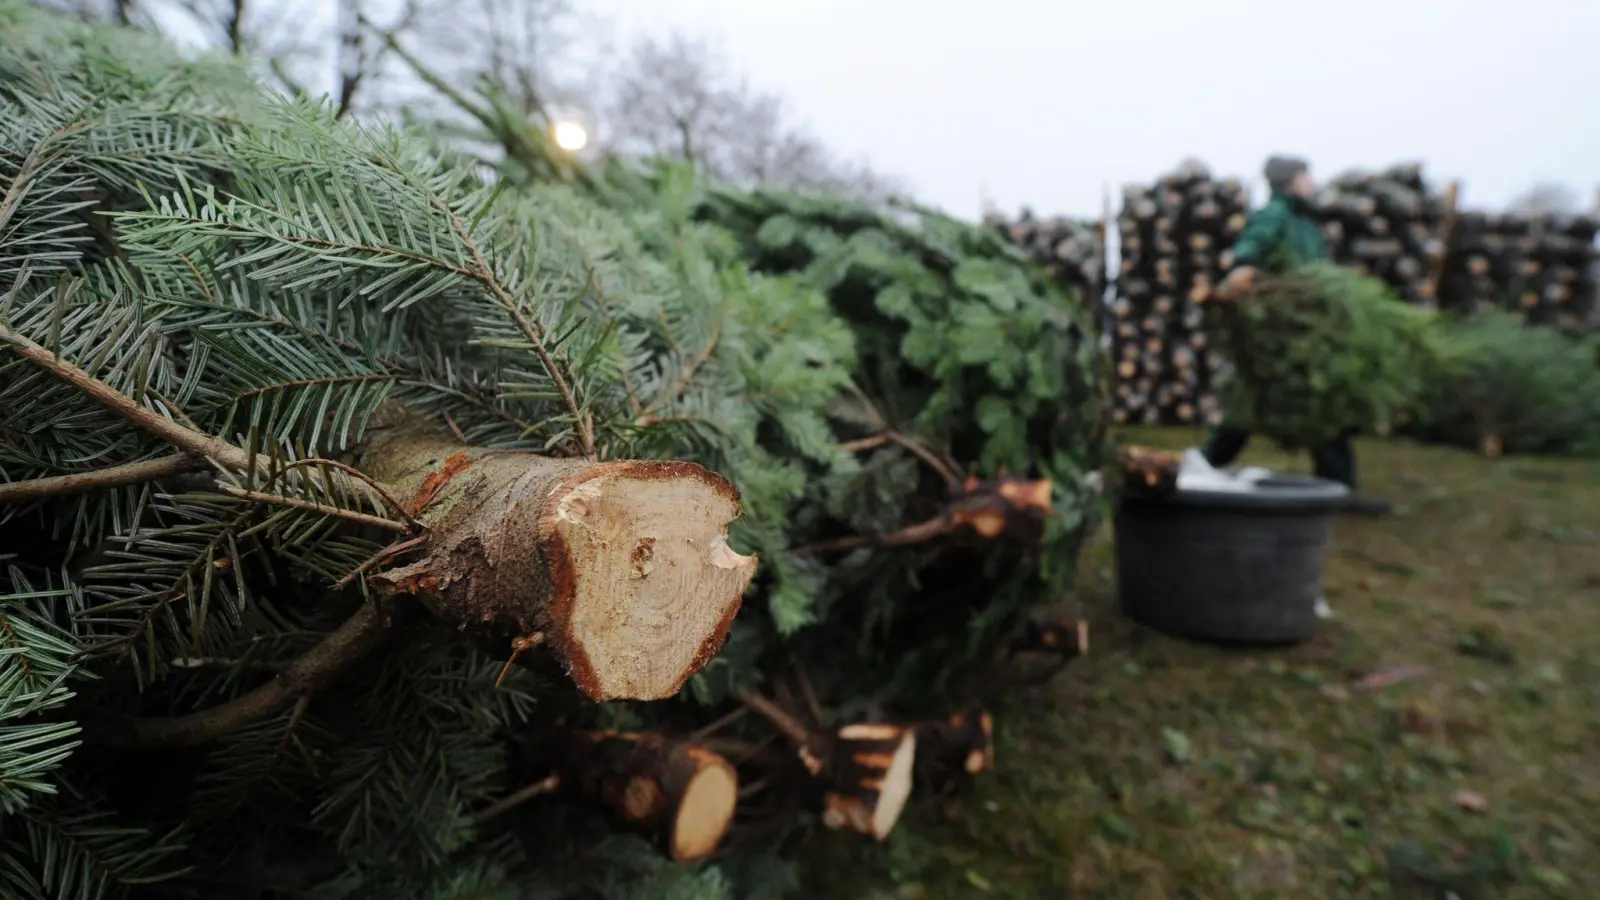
571 136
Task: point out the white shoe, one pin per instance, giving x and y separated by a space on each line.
1324 611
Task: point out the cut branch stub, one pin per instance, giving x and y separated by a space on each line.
1068 640
681 792
964 742
621 569
1005 505
1149 471
871 768
1012 507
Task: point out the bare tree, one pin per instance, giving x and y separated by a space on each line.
536 55
298 45
1547 198
676 97
123 12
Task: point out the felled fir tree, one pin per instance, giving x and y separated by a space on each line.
976 374
1323 350
1508 387
329 304
944 500
308 431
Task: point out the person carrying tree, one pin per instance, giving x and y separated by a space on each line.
1278 236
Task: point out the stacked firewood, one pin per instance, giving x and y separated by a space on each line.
1388 225
1174 237
1541 267
1070 250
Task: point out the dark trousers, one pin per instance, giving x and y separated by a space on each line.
1334 460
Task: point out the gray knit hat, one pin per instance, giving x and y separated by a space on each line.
1280 170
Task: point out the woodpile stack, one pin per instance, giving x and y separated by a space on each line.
1540 267
1388 225
1071 250
1174 237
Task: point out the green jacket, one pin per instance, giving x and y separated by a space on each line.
1280 235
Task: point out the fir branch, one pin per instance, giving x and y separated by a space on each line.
383 493
80 853
783 720
109 477
916 533
183 438
342 648
485 275
191 440
685 376
312 506
36 661
603 308
920 452
539 788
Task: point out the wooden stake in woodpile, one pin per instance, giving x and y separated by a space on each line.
680 792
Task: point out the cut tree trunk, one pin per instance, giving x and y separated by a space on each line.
622 570
870 767
1150 471
963 742
680 792
864 770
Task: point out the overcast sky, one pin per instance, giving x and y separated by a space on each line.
1043 102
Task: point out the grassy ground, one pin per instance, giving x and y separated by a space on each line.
1158 768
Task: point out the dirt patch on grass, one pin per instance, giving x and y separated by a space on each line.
1440 736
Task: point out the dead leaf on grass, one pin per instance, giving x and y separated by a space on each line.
1471 801
1391 676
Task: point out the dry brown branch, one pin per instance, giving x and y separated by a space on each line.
359 635
985 509
109 477
312 506
547 785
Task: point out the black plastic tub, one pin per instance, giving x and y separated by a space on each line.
1229 566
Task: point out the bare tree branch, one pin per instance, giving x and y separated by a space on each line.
676 97
1549 198
112 476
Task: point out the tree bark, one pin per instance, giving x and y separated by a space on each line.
621 570
681 792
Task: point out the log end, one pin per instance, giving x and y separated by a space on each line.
646 584
703 817
983 760
876 767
